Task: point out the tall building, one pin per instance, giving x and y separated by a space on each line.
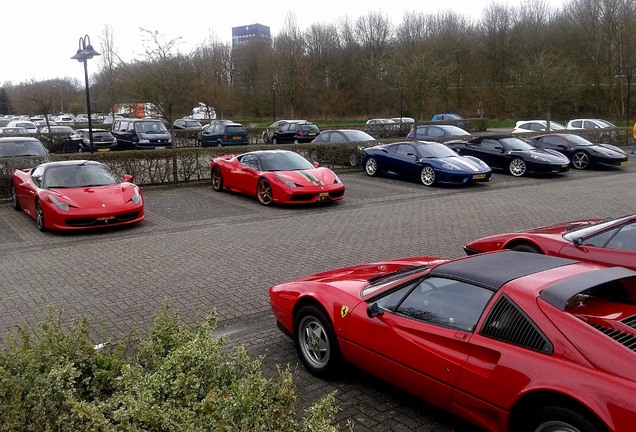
244 34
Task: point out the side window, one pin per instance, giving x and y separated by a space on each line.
443 302
435 132
625 239
405 149
489 144
576 124
336 137
250 161
600 240
551 141
36 176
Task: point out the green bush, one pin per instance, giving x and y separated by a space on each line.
177 378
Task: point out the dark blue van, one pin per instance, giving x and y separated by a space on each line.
220 134
133 133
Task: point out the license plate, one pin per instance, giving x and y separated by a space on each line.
103 150
624 163
311 133
323 194
160 148
105 218
237 137
565 165
479 176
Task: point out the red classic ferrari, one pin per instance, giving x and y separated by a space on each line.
507 340
603 241
276 176
77 194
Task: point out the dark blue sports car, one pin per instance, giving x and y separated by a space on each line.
426 162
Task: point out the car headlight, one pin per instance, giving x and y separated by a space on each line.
136 198
449 167
337 180
61 205
144 141
537 157
287 182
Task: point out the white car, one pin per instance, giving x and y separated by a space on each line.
381 121
524 126
64 120
27 124
589 124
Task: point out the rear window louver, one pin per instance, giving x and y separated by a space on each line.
507 323
623 338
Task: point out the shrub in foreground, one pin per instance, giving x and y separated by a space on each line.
177 378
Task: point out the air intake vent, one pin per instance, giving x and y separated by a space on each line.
622 338
507 323
631 321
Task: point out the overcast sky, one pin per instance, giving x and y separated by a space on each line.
39 37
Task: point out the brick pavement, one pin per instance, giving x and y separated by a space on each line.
201 249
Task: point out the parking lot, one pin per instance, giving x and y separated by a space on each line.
201 249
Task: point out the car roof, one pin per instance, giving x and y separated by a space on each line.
70 163
494 270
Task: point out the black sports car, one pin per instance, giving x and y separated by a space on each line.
581 152
512 154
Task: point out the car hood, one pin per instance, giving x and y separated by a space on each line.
540 155
563 227
309 177
462 163
609 150
103 196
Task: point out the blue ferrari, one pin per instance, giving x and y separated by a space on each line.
427 162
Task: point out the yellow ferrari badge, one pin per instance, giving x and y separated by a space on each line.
344 311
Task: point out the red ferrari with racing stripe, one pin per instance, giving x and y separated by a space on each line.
276 176
603 241
507 340
75 195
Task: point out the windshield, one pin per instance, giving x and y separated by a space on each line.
77 176
22 148
556 126
358 135
593 228
284 161
150 127
381 281
578 140
511 144
435 150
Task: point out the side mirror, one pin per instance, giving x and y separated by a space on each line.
316 164
499 148
373 310
578 241
128 178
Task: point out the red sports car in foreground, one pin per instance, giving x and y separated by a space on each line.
77 194
507 340
604 241
276 176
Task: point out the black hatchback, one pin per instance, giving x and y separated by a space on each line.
295 133
79 141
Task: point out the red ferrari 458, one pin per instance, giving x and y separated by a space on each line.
603 241
276 176
77 194
507 340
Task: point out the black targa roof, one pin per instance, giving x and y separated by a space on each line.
493 270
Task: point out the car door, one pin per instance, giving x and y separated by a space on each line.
488 150
615 246
286 133
27 191
404 160
244 175
419 337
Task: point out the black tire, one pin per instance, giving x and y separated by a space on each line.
427 176
517 167
371 166
264 192
219 144
296 141
217 179
580 160
14 198
316 342
39 216
559 419
525 247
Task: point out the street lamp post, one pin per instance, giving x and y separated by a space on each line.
84 53
273 93
627 73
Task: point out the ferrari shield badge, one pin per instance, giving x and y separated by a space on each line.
344 310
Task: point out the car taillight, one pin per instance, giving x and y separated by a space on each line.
224 137
300 132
